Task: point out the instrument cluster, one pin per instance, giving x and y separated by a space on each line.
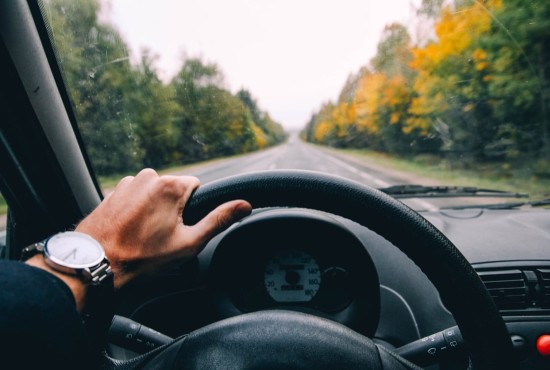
299 260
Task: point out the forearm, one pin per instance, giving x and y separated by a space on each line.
39 324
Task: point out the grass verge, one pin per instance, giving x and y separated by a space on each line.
501 176
3 206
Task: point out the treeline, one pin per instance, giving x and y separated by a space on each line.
129 118
477 91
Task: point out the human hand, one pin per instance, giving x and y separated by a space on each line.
140 224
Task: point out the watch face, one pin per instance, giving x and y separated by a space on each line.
75 250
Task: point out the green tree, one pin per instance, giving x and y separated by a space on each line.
96 69
517 79
154 111
213 121
431 8
272 131
394 52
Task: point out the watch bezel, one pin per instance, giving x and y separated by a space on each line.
72 268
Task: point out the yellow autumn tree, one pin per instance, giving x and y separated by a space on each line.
261 140
343 116
367 101
383 96
322 131
441 65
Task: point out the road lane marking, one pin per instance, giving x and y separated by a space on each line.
358 172
380 182
422 203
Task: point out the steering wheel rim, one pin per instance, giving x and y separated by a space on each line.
479 320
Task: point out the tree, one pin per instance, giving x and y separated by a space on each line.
154 111
517 78
394 54
450 89
94 60
213 121
431 8
269 132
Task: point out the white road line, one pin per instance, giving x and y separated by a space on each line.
356 171
380 182
422 203
272 166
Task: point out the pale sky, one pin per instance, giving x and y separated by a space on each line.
292 55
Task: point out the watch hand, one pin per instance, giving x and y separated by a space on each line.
72 253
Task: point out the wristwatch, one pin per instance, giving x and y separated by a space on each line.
80 255
76 254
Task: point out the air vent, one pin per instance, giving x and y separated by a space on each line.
507 288
544 276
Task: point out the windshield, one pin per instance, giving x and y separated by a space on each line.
423 92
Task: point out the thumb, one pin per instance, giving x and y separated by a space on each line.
217 221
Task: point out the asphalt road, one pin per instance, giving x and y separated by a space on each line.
295 154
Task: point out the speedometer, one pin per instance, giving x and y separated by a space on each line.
292 276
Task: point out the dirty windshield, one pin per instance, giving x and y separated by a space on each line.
435 93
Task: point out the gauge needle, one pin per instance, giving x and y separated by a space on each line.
72 253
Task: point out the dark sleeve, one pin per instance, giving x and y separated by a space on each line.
39 325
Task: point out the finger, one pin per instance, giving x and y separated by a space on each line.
146 173
176 189
143 177
124 182
107 194
186 184
216 221
134 183
192 184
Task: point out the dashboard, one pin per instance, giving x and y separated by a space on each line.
318 263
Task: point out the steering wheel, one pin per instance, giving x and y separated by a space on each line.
281 339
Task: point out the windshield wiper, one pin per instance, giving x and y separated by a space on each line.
421 191
510 205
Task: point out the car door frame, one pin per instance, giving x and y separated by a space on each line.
46 177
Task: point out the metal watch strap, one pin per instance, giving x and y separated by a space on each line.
32 250
100 273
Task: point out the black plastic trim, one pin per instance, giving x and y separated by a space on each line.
44 32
